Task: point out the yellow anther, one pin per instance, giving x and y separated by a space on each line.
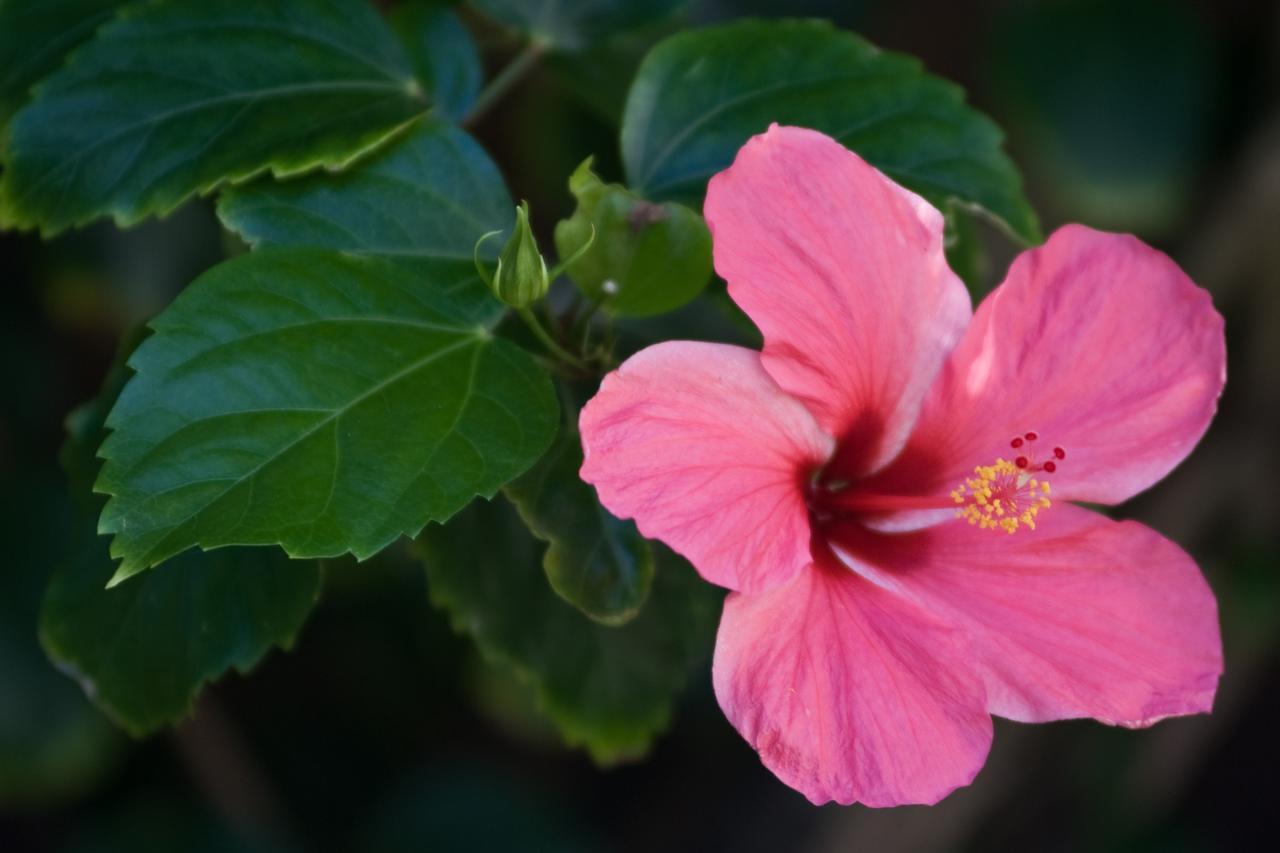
1001 497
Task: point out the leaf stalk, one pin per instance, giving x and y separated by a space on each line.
540 332
505 80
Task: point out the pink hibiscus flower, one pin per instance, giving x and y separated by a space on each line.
875 486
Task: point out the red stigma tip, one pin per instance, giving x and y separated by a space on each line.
1021 462
1031 436
1017 442
1050 467
1060 453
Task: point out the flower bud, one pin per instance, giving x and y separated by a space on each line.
521 278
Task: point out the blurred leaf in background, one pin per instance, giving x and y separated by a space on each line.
142 650
35 38
1113 104
575 25
443 54
53 744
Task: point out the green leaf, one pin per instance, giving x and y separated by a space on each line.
701 94
443 55
600 75
965 253
1118 136
175 98
610 690
85 430
422 201
575 25
316 400
596 562
54 745
35 38
647 258
143 650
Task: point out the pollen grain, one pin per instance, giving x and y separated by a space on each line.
1001 496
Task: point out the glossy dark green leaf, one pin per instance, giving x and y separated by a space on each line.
647 258
701 94
424 201
36 37
142 650
321 401
85 429
574 24
174 98
595 561
610 690
443 53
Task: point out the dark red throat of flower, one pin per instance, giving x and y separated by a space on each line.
1005 495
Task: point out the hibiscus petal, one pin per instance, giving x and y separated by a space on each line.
844 273
850 693
699 445
1083 617
1097 342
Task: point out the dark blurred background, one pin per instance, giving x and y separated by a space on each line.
383 731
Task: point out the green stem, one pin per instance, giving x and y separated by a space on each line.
507 78
549 342
221 764
582 324
559 268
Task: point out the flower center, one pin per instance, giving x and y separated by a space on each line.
1006 495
